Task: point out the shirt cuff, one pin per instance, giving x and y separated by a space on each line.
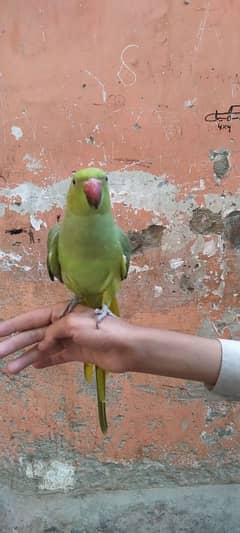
228 382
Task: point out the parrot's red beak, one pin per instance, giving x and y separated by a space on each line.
93 191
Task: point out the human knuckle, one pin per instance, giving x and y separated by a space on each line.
70 323
36 334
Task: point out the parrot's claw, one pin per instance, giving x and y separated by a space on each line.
70 306
102 313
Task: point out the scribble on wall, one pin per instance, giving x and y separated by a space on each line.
224 119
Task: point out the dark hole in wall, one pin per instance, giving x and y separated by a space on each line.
149 237
14 231
204 221
232 228
186 283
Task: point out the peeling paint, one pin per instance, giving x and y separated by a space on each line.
201 186
17 132
217 434
210 248
51 476
35 199
136 268
37 223
161 197
158 290
10 260
156 194
176 263
188 104
220 290
32 164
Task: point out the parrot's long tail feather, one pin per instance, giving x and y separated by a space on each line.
88 372
101 380
101 397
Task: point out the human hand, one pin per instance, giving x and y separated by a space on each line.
74 337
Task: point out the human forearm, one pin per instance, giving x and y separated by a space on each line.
175 355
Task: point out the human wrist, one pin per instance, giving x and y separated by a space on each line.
136 340
127 345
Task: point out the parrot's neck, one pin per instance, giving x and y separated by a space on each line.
84 230
92 219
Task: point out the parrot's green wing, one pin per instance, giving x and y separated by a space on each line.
126 249
53 265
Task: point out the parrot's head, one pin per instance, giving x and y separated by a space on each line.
88 192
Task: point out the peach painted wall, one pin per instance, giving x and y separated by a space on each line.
125 86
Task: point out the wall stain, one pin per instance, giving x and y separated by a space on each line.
232 228
205 221
150 237
221 165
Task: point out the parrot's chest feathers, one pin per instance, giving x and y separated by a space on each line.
90 258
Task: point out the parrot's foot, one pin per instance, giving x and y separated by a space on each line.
70 306
102 313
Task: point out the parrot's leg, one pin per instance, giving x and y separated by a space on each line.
102 313
71 305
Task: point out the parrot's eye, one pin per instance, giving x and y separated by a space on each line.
74 181
106 178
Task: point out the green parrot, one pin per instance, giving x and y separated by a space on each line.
90 254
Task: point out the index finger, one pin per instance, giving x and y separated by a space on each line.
32 319
61 329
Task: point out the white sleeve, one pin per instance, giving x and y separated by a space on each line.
228 382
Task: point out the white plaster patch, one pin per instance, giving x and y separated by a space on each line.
53 475
140 190
210 248
25 268
11 256
176 263
17 132
137 269
143 190
222 202
58 476
188 104
10 260
36 223
198 245
32 164
220 290
201 186
158 290
34 198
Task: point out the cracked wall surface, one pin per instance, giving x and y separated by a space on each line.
126 87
